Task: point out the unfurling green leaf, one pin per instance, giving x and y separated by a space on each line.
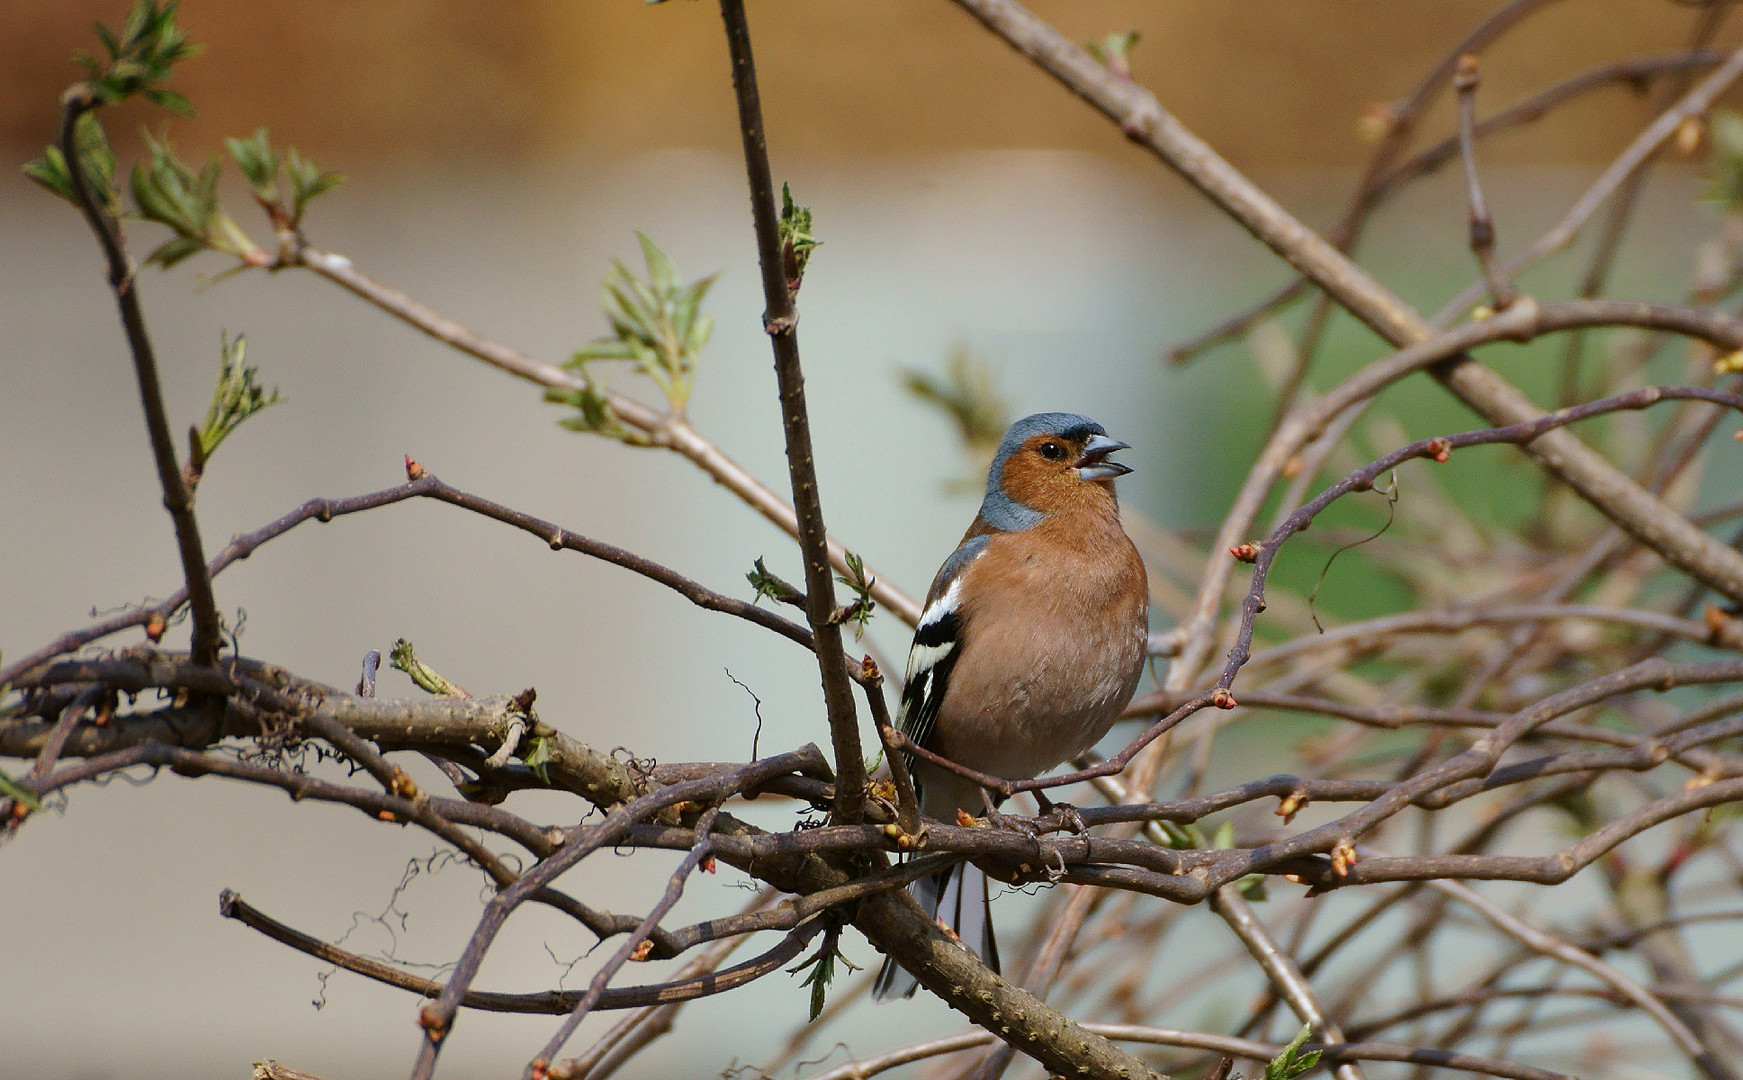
140 57
307 183
657 326
262 166
822 965
593 413
538 757
859 610
1114 50
969 396
167 191
797 243
1292 1062
12 789
237 396
403 657
259 164
773 587
97 159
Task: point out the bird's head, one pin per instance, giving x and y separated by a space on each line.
1050 463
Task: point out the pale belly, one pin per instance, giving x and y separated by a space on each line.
1062 698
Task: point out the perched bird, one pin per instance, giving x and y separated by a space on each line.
1030 644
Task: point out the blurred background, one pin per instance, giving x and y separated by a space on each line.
498 159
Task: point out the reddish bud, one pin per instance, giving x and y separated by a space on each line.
1440 450
1716 619
707 865
1377 121
1466 73
964 818
1290 805
1343 856
1247 552
431 1021
154 628
1222 699
413 471
642 951
1688 135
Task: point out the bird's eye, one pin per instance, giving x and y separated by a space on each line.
1052 451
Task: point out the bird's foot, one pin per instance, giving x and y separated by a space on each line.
1058 817
1007 822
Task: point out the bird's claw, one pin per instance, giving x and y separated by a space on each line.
1058 817
1012 823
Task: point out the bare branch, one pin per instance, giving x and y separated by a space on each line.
781 321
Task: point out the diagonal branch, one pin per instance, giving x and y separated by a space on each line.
664 430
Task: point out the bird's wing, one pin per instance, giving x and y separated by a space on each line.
936 642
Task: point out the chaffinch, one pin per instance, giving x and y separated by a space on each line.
1030 644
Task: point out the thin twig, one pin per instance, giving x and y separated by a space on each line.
781 321
177 498
1501 291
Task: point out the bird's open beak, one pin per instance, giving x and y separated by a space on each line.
1094 464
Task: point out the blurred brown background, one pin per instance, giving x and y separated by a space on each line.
1272 83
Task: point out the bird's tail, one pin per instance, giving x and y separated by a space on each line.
958 898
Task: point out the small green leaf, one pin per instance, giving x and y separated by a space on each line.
175 250
969 395
237 396
1252 888
167 191
141 57
50 171
662 275
594 414
656 324
822 965
403 657
258 162
170 101
13 789
772 587
797 242
1291 1062
538 757
859 611
92 146
1114 51
308 183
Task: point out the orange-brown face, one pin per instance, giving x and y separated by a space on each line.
1044 474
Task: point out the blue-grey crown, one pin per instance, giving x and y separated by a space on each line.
1000 510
